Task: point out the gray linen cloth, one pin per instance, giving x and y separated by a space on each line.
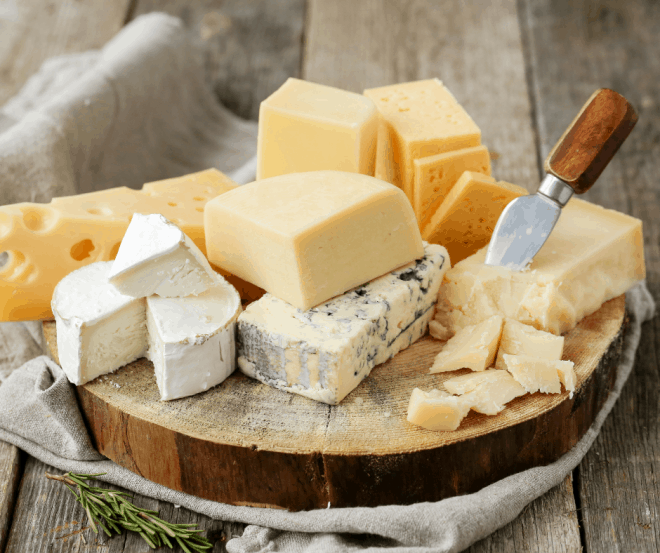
137 111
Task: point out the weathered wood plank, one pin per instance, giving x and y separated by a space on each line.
11 461
251 47
576 47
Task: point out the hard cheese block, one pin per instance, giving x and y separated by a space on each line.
465 221
436 410
593 255
487 392
522 339
540 375
309 127
156 257
418 119
325 352
436 175
307 237
45 242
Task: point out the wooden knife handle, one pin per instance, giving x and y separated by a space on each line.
591 140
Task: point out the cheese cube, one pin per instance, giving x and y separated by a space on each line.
307 237
465 221
325 352
436 175
418 119
487 392
593 255
436 410
155 257
309 127
473 347
98 329
540 375
522 339
192 340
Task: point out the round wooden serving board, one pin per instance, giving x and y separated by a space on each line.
245 443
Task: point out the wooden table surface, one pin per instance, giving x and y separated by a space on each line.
522 69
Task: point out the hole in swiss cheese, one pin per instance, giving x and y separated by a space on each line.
82 250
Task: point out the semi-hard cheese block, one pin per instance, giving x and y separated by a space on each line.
45 242
473 347
192 340
306 126
593 255
465 221
540 375
98 329
418 119
156 257
522 339
436 175
308 237
487 392
437 410
325 352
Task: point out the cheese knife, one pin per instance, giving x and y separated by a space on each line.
573 166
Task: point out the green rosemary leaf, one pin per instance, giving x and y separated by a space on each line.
183 545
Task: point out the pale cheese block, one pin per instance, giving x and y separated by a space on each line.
487 392
306 126
45 242
593 255
156 257
473 347
192 339
437 410
436 175
308 237
98 329
540 375
522 339
467 217
325 352
418 119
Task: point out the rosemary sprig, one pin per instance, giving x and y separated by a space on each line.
110 510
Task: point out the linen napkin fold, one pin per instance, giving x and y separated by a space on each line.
137 111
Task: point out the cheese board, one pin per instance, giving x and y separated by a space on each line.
245 443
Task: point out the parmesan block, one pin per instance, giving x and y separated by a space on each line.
522 339
325 352
309 127
488 391
156 257
436 175
540 375
473 347
465 221
192 340
308 237
593 255
436 410
418 119
99 329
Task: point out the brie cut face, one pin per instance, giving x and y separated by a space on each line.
156 257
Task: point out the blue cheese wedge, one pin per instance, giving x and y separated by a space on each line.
325 352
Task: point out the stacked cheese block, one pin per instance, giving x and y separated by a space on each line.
160 298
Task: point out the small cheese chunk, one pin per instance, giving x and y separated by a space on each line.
592 255
487 392
436 175
539 375
325 352
310 127
465 221
436 410
522 339
438 331
418 119
308 237
156 257
473 347
567 376
98 329
192 340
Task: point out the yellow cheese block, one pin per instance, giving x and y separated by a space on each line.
418 119
305 126
307 237
45 242
592 255
522 339
536 374
437 410
465 221
436 175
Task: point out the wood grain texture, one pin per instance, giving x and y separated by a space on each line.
245 443
251 47
576 47
11 464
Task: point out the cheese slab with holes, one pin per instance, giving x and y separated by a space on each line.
45 242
